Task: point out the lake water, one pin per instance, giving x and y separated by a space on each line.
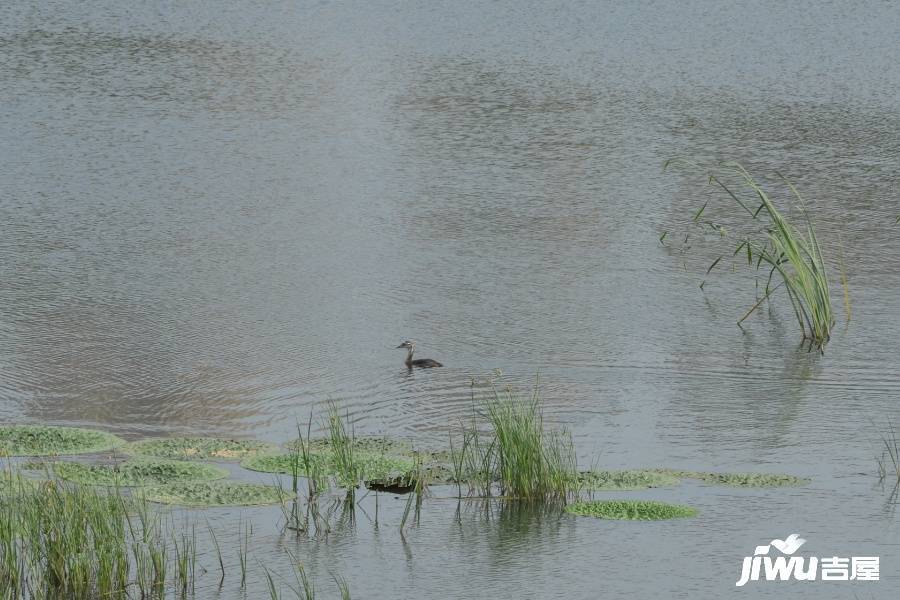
216 217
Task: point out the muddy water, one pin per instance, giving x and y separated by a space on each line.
214 218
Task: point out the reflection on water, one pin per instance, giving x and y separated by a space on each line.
217 218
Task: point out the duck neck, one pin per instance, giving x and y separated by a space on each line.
409 354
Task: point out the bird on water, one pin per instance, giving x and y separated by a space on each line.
424 363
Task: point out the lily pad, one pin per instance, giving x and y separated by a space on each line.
740 479
198 448
215 493
631 510
43 440
137 472
625 480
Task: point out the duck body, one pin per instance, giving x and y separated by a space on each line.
423 363
420 363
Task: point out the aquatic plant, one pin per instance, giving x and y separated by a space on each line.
13 482
631 510
889 461
215 493
134 473
344 464
43 440
794 254
198 448
624 480
374 444
368 465
519 454
64 541
739 479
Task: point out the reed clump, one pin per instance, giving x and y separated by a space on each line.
889 461
791 253
518 456
64 541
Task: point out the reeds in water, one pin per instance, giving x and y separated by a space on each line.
788 251
65 541
518 455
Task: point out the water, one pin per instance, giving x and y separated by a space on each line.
216 217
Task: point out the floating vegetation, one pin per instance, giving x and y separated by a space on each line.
374 444
280 463
631 510
740 479
42 440
371 466
215 493
134 473
198 448
785 249
625 480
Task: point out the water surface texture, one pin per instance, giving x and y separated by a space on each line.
215 217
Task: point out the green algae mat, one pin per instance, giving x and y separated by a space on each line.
631 510
372 466
625 480
136 473
198 448
44 440
215 493
760 480
375 444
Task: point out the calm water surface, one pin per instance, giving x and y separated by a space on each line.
215 217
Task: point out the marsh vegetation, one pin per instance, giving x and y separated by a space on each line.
787 250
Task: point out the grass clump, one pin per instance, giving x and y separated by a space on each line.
135 473
518 455
215 493
624 480
631 510
13 483
787 250
889 461
64 541
43 440
198 448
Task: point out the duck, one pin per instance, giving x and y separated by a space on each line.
422 363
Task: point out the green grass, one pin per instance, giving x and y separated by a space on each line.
41 440
625 480
788 251
63 541
519 454
889 462
141 472
198 448
215 493
631 510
